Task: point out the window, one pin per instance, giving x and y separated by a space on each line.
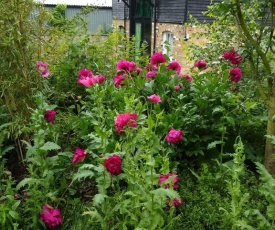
167 44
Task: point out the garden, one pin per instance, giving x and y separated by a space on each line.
96 133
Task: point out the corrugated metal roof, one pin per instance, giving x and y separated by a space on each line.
102 3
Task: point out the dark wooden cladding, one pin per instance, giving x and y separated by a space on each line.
171 11
120 11
197 8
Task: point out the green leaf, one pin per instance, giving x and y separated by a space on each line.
271 211
250 105
48 146
217 110
213 144
230 120
271 138
15 205
14 214
99 199
82 174
165 192
24 182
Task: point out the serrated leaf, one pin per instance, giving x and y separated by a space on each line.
7 149
99 199
24 182
217 110
48 146
82 174
165 192
213 144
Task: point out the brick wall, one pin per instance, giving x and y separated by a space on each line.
180 46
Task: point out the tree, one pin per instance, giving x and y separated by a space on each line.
253 23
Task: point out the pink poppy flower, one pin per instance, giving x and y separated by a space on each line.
157 58
132 66
83 73
186 76
79 155
123 65
151 67
174 136
125 120
86 78
49 116
113 164
139 70
100 78
233 57
176 203
151 74
118 80
201 64
50 216
177 87
235 75
154 98
174 65
42 68
163 178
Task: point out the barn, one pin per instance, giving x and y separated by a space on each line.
99 18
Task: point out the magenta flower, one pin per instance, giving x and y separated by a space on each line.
235 75
176 203
123 65
174 136
50 216
151 74
42 68
100 78
79 155
177 87
175 181
154 98
83 73
125 120
139 70
233 57
186 76
174 65
113 164
157 58
86 78
151 67
132 66
201 64
118 80
49 116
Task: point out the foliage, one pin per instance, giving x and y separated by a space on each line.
112 153
267 189
249 28
9 204
58 16
223 196
238 198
